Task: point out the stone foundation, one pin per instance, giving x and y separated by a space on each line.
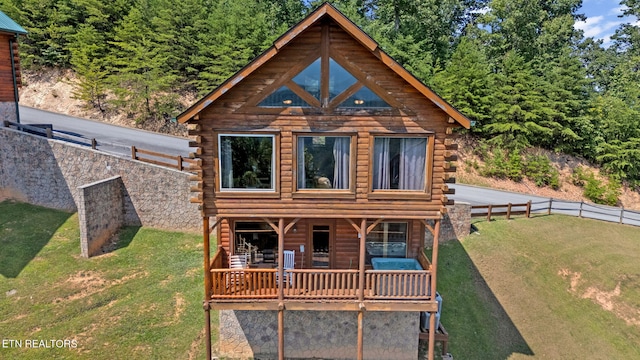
318 335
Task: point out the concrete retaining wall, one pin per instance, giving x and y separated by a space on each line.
318 334
8 111
49 173
101 213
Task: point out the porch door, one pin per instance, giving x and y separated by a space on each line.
321 244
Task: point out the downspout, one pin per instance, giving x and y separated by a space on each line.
15 82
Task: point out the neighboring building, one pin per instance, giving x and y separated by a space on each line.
10 79
324 146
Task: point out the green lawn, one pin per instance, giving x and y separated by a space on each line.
551 287
141 301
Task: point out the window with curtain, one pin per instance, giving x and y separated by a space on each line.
399 163
324 162
246 162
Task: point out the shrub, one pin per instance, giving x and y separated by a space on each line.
599 193
538 169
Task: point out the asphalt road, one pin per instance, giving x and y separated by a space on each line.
110 138
118 140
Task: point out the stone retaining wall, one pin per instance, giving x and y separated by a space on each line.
318 334
49 173
101 213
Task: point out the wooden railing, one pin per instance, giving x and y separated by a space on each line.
244 284
501 210
178 164
397 284
319 284
316 284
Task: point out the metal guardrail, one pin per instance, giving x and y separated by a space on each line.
46 130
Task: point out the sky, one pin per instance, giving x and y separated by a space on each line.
602 19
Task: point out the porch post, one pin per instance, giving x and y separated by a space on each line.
434 270
361 285
281 289
207 283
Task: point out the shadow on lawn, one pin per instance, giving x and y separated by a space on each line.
24 230
478 325
121 239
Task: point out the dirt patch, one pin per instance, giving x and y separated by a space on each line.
91 282
178 310
608 300
195 345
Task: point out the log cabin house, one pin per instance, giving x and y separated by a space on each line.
326 150
10 79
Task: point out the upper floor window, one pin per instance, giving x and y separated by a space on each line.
247 162
399 163
324 162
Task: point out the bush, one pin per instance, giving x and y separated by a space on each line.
595 190
538 169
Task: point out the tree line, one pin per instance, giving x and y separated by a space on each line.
518 68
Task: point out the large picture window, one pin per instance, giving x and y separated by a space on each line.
324 162
247 162
387 239
399 163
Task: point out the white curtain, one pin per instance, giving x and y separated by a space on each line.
341 149
412 163
302 173
381 166
227 164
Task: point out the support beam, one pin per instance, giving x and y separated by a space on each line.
273 226
207 282
375 223
426 224
353 224
361 284
290 225
434 272
361 335
281 288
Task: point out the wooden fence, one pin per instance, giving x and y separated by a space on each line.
507 210
152 157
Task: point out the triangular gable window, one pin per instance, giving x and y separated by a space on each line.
340 90
283 97
364 99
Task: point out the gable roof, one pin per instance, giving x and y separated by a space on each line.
8 25
352 29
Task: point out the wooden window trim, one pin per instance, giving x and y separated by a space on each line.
425 194
275 167
326 193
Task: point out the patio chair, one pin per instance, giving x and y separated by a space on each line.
289 260
238 280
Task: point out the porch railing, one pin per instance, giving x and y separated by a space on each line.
330 284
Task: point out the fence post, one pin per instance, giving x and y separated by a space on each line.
529 209
509 211
133 152
621 214
5 123
580 213
94 143
489 212
179 162
550 202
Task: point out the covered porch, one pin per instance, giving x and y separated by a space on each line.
337 284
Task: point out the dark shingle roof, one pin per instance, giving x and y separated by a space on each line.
8 25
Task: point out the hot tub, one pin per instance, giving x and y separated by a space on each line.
395 264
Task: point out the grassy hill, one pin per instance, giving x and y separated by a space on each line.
550 287
141 301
